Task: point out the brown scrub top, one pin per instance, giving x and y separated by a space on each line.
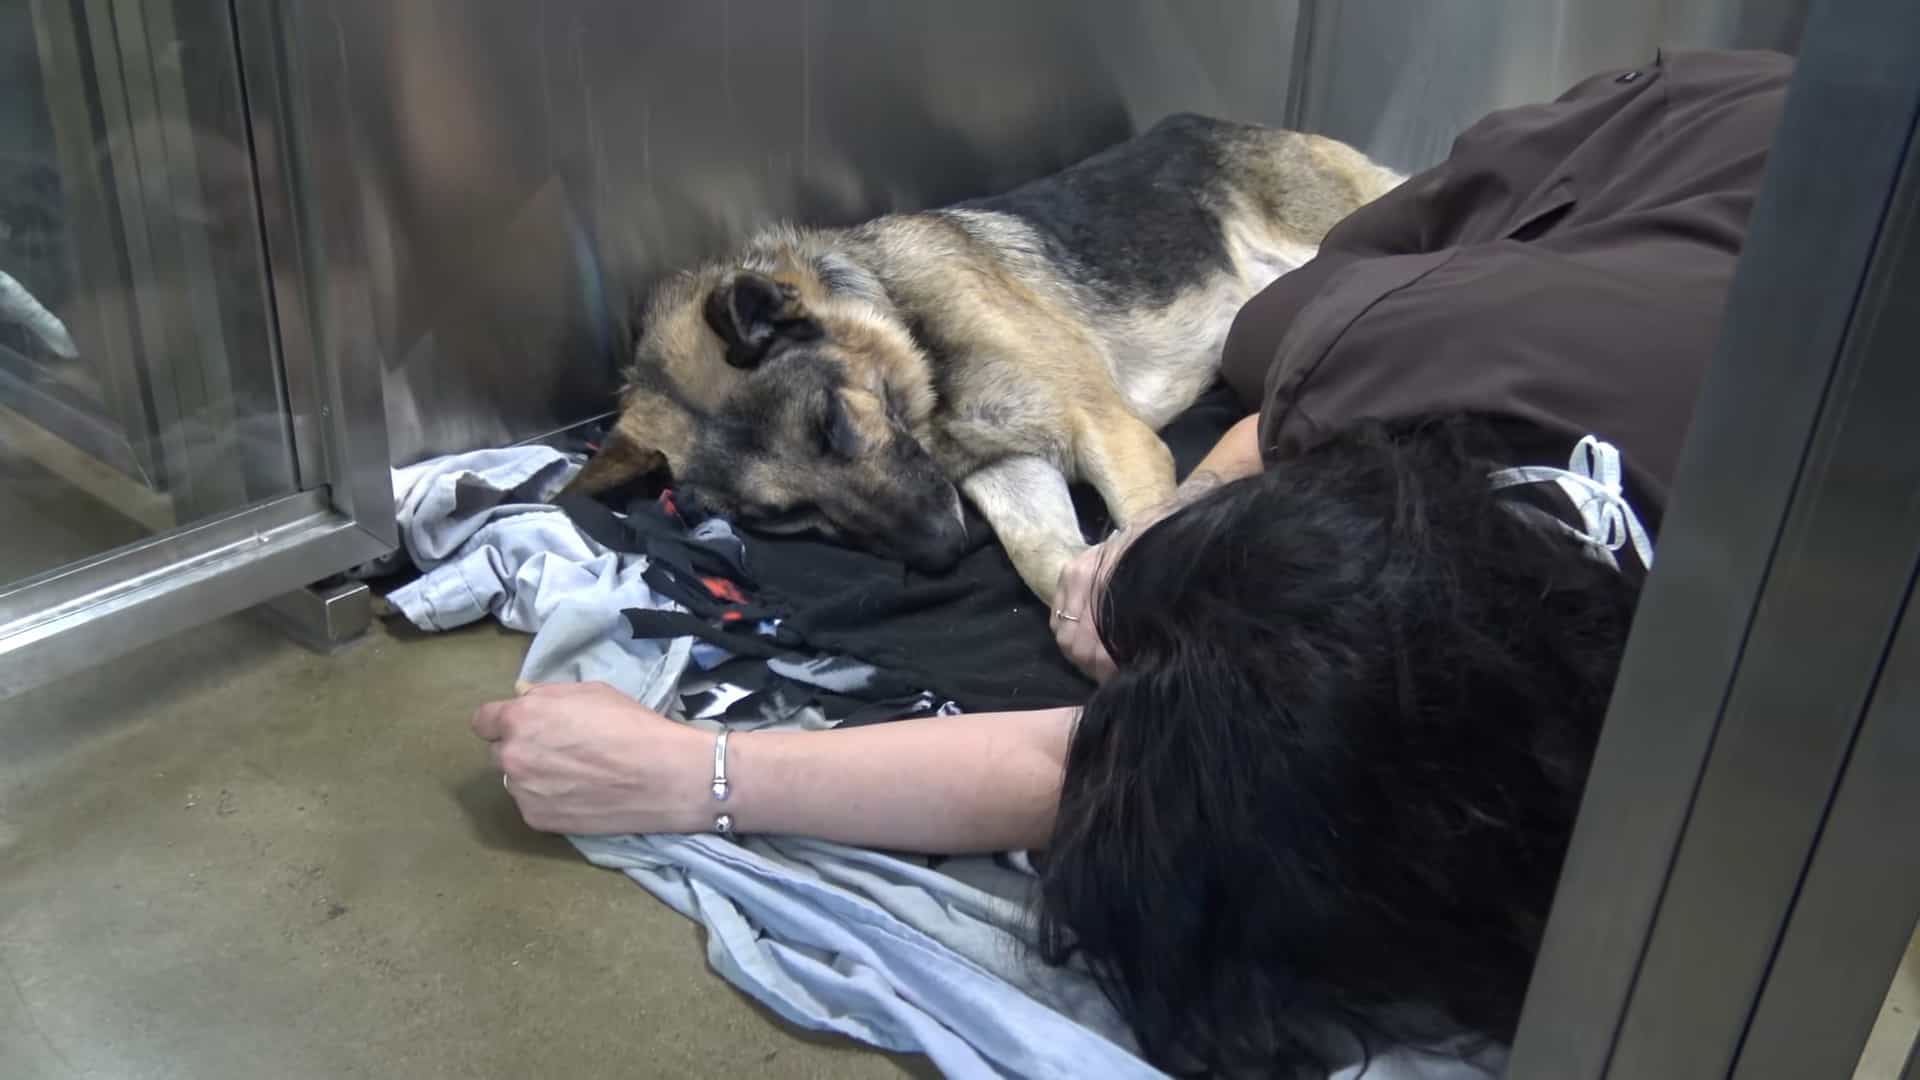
1566 268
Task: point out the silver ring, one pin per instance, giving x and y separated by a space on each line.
506 781
1067 617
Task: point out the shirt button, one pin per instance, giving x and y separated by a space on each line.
1628 77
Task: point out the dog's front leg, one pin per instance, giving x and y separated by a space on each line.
1025 499
1126 461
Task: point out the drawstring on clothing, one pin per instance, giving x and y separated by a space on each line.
1592 481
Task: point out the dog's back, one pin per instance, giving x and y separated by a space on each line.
1162 238
1142 221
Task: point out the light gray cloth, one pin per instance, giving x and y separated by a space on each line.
478 527
877 949
913 959
585 638
442 502
912 955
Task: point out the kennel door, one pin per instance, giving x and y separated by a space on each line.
167 454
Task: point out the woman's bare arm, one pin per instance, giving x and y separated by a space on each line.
587 759
944 784
1236 455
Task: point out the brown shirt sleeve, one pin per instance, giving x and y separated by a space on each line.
1565 268
1253 343
1493 167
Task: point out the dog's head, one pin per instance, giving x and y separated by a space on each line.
790 407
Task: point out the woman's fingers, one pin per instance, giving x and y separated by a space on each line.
489 720
1081 643
587 758
1071 594
1076 600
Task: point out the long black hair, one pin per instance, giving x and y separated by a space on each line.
1322 806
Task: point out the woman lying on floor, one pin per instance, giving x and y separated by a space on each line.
1352 680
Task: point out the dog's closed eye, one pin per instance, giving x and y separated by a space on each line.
792 519
838 437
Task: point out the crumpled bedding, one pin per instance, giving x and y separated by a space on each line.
910 954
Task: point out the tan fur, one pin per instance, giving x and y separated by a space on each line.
651 433
995 354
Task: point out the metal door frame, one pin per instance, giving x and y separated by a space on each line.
81 614
1743 878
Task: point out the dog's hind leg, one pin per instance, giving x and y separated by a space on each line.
1125 461
1026 501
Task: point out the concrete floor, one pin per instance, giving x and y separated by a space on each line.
227 857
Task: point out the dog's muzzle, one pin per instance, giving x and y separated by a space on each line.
937 542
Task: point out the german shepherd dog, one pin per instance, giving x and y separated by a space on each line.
853 382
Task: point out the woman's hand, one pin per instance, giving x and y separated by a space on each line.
585 758
1076 600
1084 581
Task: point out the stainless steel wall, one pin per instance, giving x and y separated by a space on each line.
515 173
518 171
1400 78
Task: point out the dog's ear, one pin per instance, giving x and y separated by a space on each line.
753 313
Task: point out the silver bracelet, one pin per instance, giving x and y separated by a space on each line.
722 823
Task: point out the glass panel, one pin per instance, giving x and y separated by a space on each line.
139 389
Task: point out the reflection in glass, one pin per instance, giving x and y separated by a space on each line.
1892 1046
138 386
